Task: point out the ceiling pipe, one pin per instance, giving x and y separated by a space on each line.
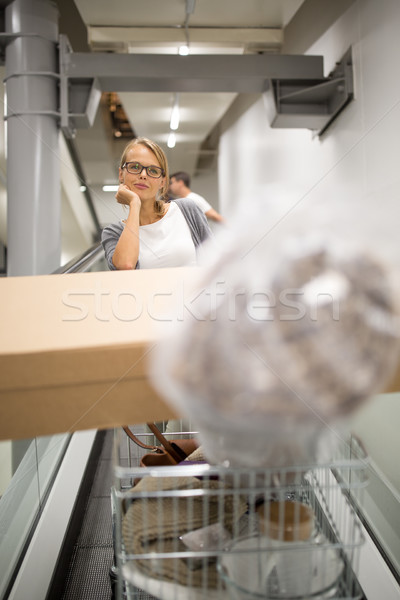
190 6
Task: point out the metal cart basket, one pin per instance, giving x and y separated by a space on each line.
195 531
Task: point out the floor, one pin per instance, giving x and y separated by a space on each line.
87 577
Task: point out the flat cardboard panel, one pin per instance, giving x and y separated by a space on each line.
38 412
57 312
394 384
74 348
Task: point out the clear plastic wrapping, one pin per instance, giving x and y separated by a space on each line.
279 346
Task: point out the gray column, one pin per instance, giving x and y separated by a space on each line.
33 174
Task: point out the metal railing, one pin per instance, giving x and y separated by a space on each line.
83 262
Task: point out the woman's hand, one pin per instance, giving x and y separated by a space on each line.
126 253
125 196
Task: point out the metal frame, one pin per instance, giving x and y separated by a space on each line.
297 93
301 95
313 104
315 485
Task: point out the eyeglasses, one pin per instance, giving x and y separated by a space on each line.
136 168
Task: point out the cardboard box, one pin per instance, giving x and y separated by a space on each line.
74 348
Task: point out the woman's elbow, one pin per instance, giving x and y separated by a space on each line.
124 265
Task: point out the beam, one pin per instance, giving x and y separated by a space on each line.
164 73
235 36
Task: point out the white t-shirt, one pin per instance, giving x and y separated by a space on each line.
167 242
200 201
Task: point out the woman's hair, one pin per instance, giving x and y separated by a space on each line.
162 159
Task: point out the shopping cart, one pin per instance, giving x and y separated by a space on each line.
195 531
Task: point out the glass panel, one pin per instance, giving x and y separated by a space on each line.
382 510
99 265
376 425
24 495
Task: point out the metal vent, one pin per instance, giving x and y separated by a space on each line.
311 104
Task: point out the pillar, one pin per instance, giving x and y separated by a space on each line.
33 174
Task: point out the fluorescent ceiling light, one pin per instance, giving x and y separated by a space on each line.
110 188
171 140
174 122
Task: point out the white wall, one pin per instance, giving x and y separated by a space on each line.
351 174
377 424
206 184
346 182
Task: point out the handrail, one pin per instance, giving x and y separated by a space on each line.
82 262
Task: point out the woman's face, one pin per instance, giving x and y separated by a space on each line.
145 186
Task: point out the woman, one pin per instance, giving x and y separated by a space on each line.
155 233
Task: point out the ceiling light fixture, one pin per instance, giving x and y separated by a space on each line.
174 121
171 140
110 188
184 50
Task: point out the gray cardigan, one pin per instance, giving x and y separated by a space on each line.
195 218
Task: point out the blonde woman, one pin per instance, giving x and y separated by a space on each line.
156 233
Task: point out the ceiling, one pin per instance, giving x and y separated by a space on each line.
161 27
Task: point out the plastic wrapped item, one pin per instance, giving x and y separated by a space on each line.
259 568
212 537
277 349
288 521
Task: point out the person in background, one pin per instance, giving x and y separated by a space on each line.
179 187
155 234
